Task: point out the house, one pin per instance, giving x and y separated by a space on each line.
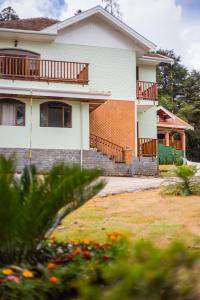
171 130
81 91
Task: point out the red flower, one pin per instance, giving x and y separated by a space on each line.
53 280
87 254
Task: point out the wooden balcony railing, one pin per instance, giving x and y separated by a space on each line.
113 151
21 68
147 147
147 90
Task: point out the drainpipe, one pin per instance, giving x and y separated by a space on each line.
31 126
81 135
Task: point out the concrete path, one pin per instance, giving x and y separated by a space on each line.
117 185
195 164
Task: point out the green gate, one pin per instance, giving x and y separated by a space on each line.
169 155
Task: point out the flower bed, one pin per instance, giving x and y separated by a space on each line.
56 268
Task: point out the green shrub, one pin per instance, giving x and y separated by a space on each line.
30 205
185 174
179 161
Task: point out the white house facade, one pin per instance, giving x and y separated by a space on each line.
55 81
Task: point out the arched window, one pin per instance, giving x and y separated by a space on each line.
18 63
12 112
55 114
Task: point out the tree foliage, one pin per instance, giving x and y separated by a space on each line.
179 91
30 205
113 7
8 14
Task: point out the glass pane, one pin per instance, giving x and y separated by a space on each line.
8 114
43 115
67 117
55 117
20 118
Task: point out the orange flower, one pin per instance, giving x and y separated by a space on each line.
53 280
51 266
7 272
98 245
86 242
113 237
27 274
78 251
87 254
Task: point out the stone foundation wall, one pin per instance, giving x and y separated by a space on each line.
44 159
145 166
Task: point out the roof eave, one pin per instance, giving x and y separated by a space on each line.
26 34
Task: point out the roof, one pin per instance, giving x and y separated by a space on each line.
170 120
34 24
156 58
117 24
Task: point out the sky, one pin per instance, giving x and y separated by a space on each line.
170 24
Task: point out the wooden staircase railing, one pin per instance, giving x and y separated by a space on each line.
113 151
147 147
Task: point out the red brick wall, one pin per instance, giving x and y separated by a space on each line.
115 121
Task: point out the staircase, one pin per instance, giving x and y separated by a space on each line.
107 156
112 150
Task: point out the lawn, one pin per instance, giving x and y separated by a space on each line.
143 215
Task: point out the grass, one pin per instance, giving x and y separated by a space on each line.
142 215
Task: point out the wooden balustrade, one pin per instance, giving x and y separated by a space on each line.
113 151
147 90
147 147
22 68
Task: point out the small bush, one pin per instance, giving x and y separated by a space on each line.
185 174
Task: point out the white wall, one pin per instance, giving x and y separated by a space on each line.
94 32
44 137
147 73
147 123
109 69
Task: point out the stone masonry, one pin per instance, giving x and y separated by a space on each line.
44 159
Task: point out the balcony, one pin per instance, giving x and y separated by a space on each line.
21 68
147 90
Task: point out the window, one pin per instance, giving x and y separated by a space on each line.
12 112
55 114
20 63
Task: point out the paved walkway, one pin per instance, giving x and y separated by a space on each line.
117 185
195 164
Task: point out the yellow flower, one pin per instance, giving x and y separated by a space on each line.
28 274
7 272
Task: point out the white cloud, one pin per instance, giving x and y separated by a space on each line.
159 20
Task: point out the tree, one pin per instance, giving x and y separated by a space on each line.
171 78
113 7
8 14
